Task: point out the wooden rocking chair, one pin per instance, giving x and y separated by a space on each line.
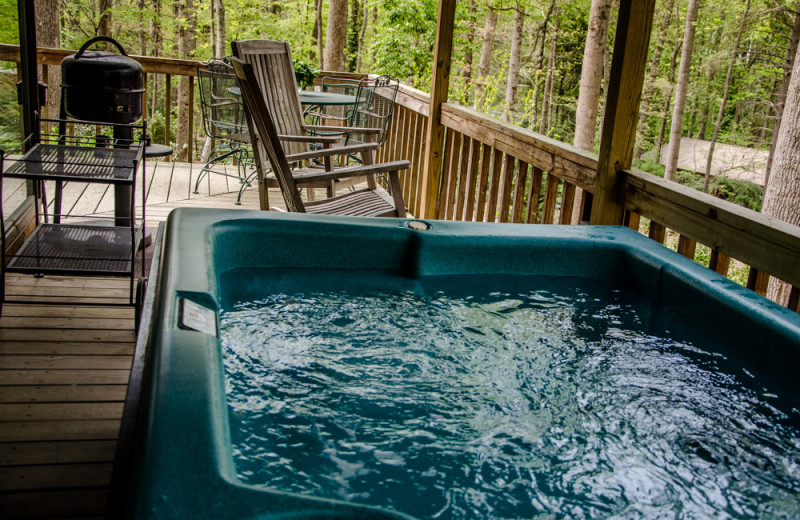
274 72
369 202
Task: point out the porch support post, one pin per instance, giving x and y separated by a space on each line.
29 98
621 116
434 133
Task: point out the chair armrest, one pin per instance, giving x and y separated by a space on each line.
309 175
321 139
343 129
330 152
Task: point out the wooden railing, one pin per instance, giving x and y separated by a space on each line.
497 172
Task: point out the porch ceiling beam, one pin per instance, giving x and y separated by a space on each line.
440 83
621 112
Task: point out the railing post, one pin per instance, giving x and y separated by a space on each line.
622 106
434 134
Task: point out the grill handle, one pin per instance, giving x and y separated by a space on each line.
100 39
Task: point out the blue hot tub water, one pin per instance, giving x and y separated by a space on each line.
467 371
497 397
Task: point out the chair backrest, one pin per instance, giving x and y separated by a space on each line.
374 106
344 86
221 102
274 72
262 121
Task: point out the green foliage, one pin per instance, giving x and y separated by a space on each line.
404 46
304 73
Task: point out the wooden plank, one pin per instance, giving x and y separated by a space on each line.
62 311
760 241
42 477
550 196
494 185
106 429
519 192
474 164
621 109
52 362
657 232
62 393
434 135
507 186
454 151
687 247
54 504
534 193
463 178
567 203
56 452
59 411
483 184
418 159
64 377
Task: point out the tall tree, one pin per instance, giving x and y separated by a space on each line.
361 35
681 88
486 57
353 33
335 35
544 121
514 62
187 42
220 29
591 81
782 198
48 34
725 92
794 40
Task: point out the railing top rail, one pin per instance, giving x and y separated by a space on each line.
47 56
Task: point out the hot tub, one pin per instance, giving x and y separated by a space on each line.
213 260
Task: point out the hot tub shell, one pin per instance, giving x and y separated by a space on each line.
183 462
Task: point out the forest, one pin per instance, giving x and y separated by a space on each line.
518 60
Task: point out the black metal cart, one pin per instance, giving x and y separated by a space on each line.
80 245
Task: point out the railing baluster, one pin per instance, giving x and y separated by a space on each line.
463 177
687 247
167 109
483 183
794 299
719 262
455 149
567 202
550 195
519 191
657 232
474 158
497 157
534 193
507 186
758 281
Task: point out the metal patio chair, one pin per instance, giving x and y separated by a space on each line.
224 121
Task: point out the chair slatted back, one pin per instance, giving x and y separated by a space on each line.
274 72
261 118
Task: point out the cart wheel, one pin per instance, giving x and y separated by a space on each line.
141 285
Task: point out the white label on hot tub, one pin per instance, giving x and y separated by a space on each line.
199 318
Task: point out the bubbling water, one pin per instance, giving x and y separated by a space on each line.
540 400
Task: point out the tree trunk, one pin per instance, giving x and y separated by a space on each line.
104 7
667 100
468 57
652 75
794 38
361 36
514 63
317 33
353 32
725 91
591 82
142 28
221 31
335 35
48 34
592 75
486 58
782 198
544 122
680 92
186 46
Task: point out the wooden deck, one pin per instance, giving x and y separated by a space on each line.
64 369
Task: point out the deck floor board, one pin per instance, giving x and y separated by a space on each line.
64 368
